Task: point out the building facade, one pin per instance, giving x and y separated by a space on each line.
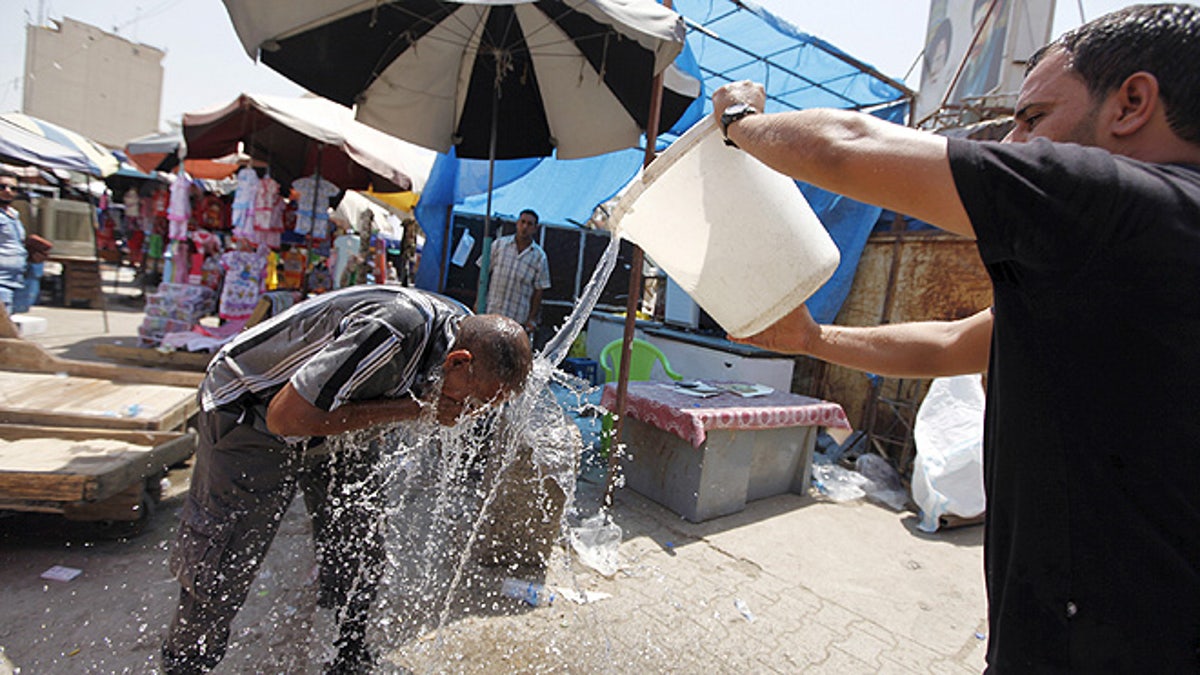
92 82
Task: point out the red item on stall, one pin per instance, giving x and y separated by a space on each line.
136 245
211 213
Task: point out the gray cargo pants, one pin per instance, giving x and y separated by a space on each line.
243 480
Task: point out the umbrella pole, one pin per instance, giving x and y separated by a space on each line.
485 257
308 252
96 228
632 302
447 233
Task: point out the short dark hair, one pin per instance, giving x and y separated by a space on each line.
500 346
532 213
5 173
1161 39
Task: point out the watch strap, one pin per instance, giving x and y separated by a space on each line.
732 114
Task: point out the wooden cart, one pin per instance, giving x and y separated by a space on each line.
91 441
87 474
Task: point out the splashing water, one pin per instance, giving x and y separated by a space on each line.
466 506
556 349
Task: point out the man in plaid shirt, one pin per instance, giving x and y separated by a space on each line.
519 274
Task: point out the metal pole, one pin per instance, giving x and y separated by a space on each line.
447 233
632 301
99 264
485 256
308 252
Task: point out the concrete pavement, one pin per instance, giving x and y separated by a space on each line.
792 584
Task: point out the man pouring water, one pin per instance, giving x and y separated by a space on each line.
1088 222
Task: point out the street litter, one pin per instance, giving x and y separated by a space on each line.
837 483
948 471
531 593
582 598
744 609
596 542
60 573
883 481
875 479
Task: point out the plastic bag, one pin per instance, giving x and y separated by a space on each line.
883 481
596 542
948 472
838 484
462 252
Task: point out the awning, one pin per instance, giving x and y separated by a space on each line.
291 133
29 140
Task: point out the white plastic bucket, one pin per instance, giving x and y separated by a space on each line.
737 236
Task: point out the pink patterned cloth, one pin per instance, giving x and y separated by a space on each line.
690 418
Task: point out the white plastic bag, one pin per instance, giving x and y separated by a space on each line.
948 473
838 484
883 481
596 541
463 251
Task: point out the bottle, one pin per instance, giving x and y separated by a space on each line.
529 592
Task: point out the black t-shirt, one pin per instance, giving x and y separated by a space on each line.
1092 434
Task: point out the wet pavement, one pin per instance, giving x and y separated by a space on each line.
793 583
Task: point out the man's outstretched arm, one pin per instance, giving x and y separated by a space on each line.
852 154
918 349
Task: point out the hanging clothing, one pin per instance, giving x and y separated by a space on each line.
179 210
133 213
345 248
243 282
268 222
273 235
211 272
310 220
241 214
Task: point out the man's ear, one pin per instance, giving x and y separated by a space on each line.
458 359
1137 101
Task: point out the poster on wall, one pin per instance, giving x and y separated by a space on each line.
986 42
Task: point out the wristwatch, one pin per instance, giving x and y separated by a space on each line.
732 114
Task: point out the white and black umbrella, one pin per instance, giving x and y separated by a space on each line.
531 76
488 79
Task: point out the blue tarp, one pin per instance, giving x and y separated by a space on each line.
849 223
726 42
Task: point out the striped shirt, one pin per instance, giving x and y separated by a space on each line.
514 276
355 344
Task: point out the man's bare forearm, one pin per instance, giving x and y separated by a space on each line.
291 415
922 349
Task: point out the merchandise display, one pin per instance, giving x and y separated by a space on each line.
205 255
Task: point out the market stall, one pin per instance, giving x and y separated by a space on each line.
281 233
67 226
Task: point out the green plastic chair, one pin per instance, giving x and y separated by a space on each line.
643 355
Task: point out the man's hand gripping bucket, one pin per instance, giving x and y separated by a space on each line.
736 235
